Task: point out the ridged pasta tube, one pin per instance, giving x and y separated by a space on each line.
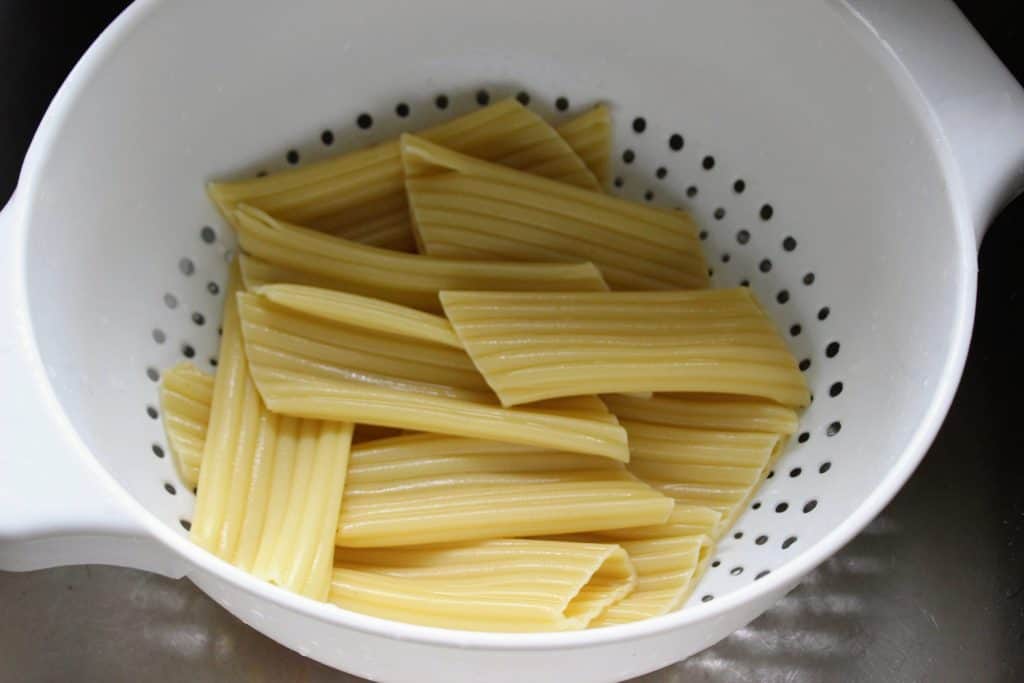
702 467
361 195
185 395
531 347
316 367
667 570
707 411
270 487
669 558
590 136
516 585
431 488
467 208
407 279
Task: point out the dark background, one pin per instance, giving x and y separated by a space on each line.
933 590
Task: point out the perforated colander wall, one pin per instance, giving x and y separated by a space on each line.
745 236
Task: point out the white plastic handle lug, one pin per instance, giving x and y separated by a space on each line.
976 101
57 507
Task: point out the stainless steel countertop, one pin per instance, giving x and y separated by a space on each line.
933 590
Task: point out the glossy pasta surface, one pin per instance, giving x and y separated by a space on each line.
185 396
361 195
531 347
467 208
463 386
429 488
317 367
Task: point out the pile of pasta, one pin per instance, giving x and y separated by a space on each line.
460 385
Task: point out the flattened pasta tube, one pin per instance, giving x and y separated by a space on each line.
517 585
667 569
590 136
185 395
407 279
361 195
716 469
432 488
317 367
296 542
270 487
467 208
531 347
707 411
669 558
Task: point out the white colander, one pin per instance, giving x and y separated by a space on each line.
843 160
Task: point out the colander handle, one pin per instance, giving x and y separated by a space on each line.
57 505
977 103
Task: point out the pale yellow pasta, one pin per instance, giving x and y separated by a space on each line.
496 585
702 467
707 411
295 547
270 487
590 136
705 423
391 230
312 367
232 432
361 195
531 347
185 395
667 570
435 437
407 279
533 505
372 314
467 208
431 488
685 520
669 559
258 273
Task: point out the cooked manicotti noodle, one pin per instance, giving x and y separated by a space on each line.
718 426
669 558
466 208
232 432
515 585
590 136
316 367
373 314
361 195
270 486
667 570
185 395
433 488
435 437
707 411
531 347
702 467
291 542
408 279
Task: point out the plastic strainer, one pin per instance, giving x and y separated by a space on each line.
843 160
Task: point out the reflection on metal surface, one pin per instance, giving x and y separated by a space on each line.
861 616
815 633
